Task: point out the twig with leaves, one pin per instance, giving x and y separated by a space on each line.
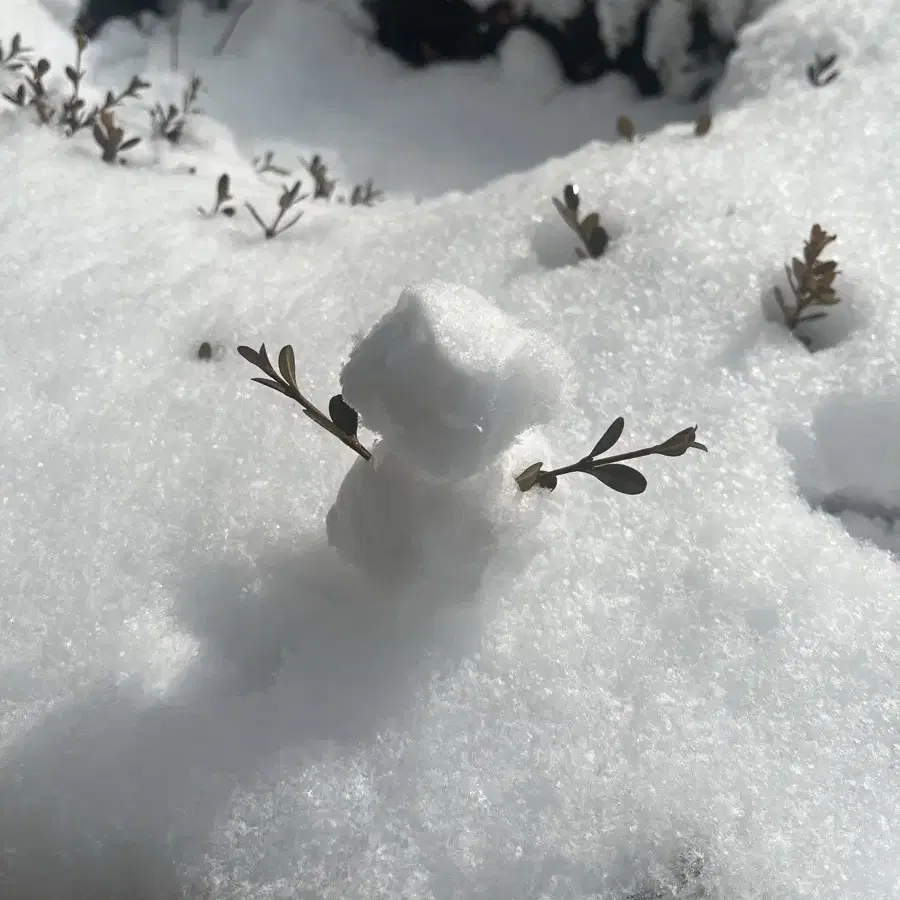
110 137
592 234
290 197
365 194
224 199
344 420
33 93
169 123
821 71
132 92
610 470
810 280
323 186
70 115
14 59
71 118
74 120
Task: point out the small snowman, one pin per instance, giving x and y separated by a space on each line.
448 382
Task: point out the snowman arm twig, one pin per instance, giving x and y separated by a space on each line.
344 420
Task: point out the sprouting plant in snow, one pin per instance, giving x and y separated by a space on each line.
625 128
72 113
266 163
810 280
169 122
72 116
323 186
822 71
224 199
365 194
132 91
593 235
110 137
14 59
342 421
610 470
32 94
702 125
290 197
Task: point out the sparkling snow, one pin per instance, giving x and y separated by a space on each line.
566 695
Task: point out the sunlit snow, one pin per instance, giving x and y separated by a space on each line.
238 661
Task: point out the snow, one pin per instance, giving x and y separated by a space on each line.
448 401
528 61
550 695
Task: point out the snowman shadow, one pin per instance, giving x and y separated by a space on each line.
301 651
346 629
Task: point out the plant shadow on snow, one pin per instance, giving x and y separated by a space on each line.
847 467
117 794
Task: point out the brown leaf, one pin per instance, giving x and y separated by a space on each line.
250 355
826 280
703 125
223 187
270 384
678 444
598 241
590 224
343 415
620 478
528 479
610 438
287 365
625 128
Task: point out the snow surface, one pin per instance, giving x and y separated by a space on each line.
562 695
